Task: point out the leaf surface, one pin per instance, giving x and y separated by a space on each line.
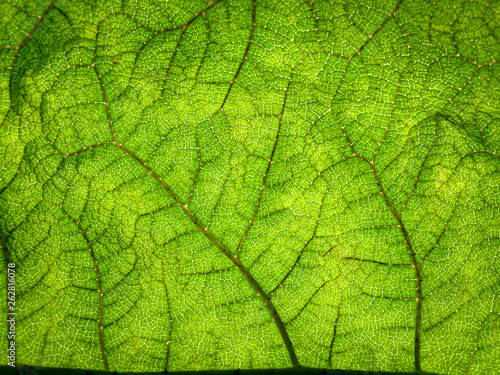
188 185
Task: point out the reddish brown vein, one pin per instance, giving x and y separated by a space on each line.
302 251
379 28
172 60
99 291
262 294
170 321
415 265
28 37
257 206
244 57
334 336
370 38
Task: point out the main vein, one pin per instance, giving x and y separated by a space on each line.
255 284
235 259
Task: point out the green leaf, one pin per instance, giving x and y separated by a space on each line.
188 185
